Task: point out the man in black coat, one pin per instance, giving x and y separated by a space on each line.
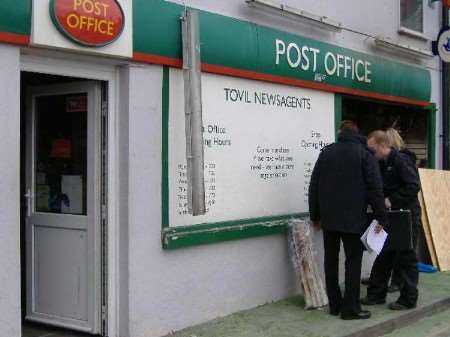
401 185
345 180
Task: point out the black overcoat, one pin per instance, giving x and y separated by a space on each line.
345 180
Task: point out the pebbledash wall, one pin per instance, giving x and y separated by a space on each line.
163 289
9 191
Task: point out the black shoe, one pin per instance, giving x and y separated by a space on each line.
399 306
372 301
334 312
393 288
363 314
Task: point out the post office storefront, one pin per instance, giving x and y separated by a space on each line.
95 232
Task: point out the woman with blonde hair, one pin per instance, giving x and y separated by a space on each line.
400 186
395 140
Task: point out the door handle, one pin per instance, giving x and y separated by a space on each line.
28 196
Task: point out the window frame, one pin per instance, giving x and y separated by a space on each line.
409 31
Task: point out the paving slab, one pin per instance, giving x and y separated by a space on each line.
287 318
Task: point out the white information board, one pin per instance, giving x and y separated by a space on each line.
261 141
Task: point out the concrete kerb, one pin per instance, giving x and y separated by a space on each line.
402 321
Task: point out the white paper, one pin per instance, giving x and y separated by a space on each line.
72 187
376 240
364 240
373 241
42 198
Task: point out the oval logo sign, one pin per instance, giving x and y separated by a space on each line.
443 45
93 23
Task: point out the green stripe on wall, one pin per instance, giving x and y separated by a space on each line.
165 148
180 237
246 46
156 28
15 16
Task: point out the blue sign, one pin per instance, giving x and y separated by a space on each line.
441 46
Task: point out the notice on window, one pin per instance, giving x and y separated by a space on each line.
72 194
261 141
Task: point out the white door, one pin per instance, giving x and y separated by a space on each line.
63 196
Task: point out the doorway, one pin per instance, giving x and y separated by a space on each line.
62 227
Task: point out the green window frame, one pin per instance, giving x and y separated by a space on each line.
431 126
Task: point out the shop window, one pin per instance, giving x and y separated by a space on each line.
411 122
411 15
61 155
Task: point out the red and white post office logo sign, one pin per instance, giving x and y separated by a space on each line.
93 23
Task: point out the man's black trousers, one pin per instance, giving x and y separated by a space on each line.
348 304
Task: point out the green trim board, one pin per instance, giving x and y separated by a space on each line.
181 237
165 148
247 49
15 17
431 148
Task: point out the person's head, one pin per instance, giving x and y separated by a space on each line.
349 126
395 140
378 141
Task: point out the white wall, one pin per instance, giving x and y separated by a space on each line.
10 319
124 92
169 290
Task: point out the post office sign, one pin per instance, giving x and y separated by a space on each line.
93 23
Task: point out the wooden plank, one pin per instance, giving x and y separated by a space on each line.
426 230
302 255
436 192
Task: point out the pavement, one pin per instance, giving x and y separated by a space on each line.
437 325
287 318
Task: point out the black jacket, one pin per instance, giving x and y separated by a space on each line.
345 179
411 155
400 180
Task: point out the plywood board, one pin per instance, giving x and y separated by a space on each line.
426 230
436 194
